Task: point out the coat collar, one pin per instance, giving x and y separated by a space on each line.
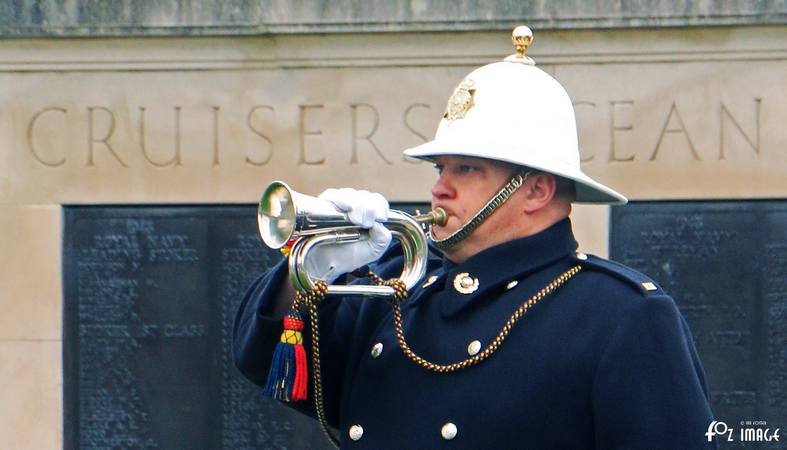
497 266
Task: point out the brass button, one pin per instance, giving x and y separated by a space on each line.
512 284
473 348
377 349
429 281
581 256
356 432
448 431
465 284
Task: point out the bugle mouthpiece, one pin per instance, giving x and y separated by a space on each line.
436 217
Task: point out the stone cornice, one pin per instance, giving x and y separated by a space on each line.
50 18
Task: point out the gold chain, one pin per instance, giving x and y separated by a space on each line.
400 293
310 300
490 349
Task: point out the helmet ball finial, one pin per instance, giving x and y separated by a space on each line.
521 37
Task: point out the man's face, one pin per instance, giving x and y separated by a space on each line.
464 186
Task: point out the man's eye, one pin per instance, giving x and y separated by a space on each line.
438 168
465 168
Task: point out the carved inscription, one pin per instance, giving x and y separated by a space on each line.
408 119
725 264
252 120
739 133
677 128
775 291
674 138
122 331
216 110
175 160
97 137
305 132
151 295
615 110
49 161
408 122
726 117
367 136
246 419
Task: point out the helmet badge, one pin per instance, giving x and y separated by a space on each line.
461 101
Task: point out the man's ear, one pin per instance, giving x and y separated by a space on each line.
540 189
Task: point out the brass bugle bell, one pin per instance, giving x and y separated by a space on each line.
285 215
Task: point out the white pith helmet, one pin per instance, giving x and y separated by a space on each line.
514 112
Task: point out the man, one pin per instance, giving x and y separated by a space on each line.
513 340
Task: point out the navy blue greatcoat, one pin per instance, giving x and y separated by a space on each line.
605 362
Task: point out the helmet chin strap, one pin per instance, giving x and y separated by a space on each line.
512 186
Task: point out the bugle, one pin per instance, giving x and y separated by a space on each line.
287 217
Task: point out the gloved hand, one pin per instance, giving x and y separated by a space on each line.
365 209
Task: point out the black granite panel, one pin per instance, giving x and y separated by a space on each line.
150 296
725 263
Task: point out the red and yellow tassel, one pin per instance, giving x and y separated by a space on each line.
287 248
288 377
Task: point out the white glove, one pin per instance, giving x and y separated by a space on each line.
364 209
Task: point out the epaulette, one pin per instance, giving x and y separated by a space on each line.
637 280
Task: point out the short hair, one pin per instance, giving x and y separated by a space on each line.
565 188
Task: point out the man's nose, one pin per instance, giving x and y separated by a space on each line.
443 188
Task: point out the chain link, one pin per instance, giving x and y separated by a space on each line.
311 299
492 347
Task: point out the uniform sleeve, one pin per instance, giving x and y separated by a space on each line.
255 335
649 390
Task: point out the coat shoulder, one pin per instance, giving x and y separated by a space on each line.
634 279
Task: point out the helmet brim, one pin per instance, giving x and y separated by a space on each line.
587 190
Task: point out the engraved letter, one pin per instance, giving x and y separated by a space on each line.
593 105
303 133
31 128
215 136
754 145
682 129
269 151
412 129
368 137
614 126
105 140
176 157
